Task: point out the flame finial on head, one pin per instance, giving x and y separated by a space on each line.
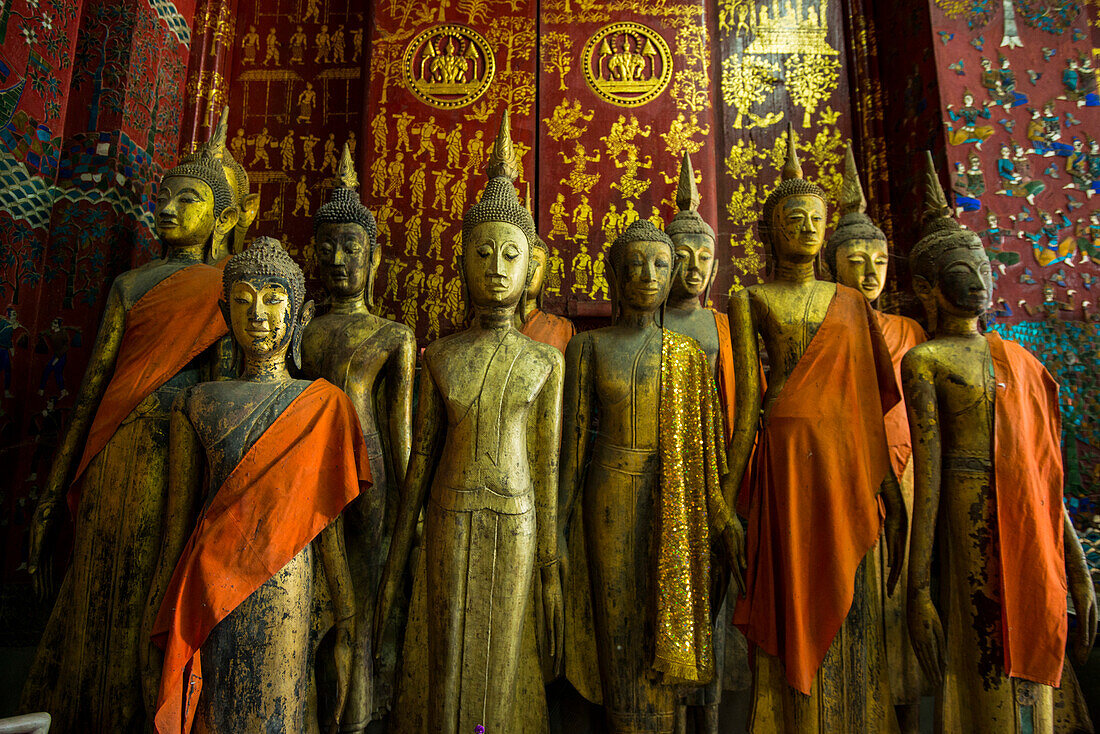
937 213
503 161
854 223
791 167
687 193
346 172
851 192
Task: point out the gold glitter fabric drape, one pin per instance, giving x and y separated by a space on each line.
691 505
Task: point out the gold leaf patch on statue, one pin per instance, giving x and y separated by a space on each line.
627 64
448 66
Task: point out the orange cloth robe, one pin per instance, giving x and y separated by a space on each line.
1028 484
723 372
811 521
148 356
901 334
549 329
296 479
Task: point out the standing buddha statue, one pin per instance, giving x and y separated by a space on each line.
484 457
693 243
372 359
534 322
810 605
261 468
248 204
642 504
988 481
857 256
159 324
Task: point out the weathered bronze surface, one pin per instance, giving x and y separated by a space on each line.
857 255
950 395
372 359
86 671
785 314
491 397
257 661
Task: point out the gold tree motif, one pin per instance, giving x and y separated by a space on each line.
557 55
745 82
811 79
516 35
386 63
691 90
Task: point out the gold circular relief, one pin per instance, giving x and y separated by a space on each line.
448 66
627 64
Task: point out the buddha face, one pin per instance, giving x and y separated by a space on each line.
861 264
695 257
798 228
343 257
644 275
538 275
496 264
964 284
185 211
260 312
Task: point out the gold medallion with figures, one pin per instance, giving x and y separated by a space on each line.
448 66
627 64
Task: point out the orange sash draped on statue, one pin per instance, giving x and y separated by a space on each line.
149 356
295 480
549 329
724 372
812 506
1028 485
901 334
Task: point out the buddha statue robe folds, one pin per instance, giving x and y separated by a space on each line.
988 492
857 256
372 360
811 605
281 459
648 499
155 339
491 396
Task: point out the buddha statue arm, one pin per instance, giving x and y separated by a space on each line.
429 427
1081 591
896 523
399 397
96 378
334 559
577 409
925 629
543 440
185 457
746 365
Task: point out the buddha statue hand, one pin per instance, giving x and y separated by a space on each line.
897 520
733 536
342 653
553 608
1083 593
926 634
42 531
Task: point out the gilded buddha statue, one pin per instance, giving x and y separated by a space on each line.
372 359
811 603
534 321
113 461
248 203
261 468
484 458
641 504
693 243
988 483
857 255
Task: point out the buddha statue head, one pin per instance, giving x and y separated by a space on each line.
498 234
792 225
857 253
641 263
346 239
263 292
692 240
950 267
248 204
195 202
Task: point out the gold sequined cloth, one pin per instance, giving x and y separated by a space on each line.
690 507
